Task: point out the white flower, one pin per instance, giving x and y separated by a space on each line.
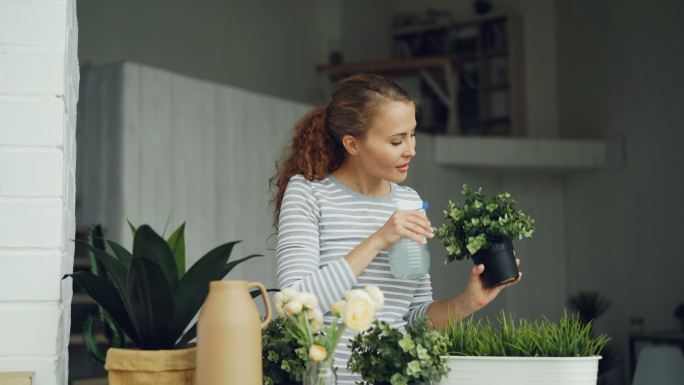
314 314
307 299
293 307
317 352
278 302
315 317
358 313
288 294
358 293
338 308
376 295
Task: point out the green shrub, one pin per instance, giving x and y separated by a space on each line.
385 355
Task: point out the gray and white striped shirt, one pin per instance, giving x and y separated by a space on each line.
320 223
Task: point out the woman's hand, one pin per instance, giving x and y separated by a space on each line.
411 224
481 295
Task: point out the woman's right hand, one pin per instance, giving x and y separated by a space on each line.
411 224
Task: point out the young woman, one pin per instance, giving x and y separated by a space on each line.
335 209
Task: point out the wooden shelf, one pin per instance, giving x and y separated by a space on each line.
520 153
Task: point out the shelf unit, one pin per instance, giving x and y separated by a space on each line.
426 67
480 90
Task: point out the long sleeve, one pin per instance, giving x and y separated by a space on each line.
422 298
297 249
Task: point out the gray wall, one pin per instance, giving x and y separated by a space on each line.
157 146
266 46
619 71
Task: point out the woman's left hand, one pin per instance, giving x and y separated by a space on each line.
481 295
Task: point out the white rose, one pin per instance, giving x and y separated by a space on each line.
315 314
317 352
288 294
307 299
358 293
315 317
358 314
293 307
278 302
376 295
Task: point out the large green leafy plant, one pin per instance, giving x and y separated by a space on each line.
480 222
385 355
147 293
569 337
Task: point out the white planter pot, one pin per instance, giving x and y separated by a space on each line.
472 370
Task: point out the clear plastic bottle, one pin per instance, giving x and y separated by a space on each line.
409 259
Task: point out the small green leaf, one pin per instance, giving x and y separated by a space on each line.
148 244
90 340
124 256
177 244
130 225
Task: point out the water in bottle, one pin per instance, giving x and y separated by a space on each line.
409 259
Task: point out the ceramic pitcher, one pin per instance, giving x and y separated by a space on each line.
229 335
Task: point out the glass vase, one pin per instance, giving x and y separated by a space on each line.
319 373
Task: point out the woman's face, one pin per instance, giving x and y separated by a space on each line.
390 143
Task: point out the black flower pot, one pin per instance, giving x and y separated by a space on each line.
499 262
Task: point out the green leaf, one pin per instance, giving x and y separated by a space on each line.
188 336
106 296
152 303
91 342
124 256
193 287
115 334
166 225
96 240
148 244
230 266
130 225
177 244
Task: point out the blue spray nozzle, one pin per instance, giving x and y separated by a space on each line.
425 205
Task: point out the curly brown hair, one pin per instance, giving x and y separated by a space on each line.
316 149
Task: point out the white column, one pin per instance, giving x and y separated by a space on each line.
39 78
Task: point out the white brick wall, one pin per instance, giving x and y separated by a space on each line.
39 78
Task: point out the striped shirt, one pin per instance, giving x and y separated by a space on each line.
320 223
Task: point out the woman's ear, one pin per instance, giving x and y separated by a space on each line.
350 144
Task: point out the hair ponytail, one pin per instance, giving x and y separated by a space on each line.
316 149
314 153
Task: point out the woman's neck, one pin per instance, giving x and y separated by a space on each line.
360 181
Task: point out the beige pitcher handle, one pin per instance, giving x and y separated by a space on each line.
267 302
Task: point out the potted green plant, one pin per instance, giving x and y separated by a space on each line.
483 229
150 297
384 355
522 352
